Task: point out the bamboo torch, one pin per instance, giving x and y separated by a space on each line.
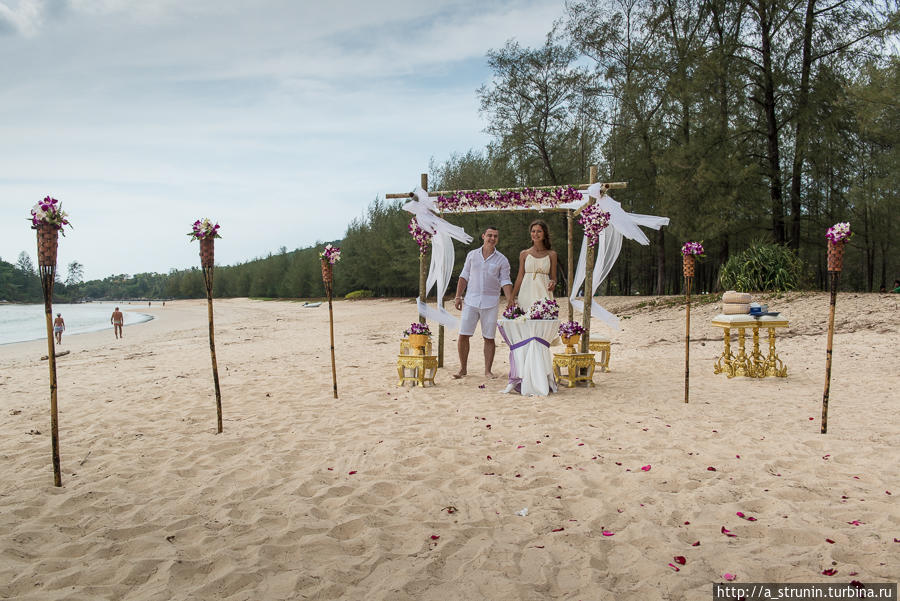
837 237
207 252
688 284
329 256
48 242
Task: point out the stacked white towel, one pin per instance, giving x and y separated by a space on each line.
735 303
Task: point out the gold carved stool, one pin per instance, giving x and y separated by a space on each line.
574 363
602 347
423 368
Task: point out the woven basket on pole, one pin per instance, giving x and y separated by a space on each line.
207 251
835 256
48 242
689 266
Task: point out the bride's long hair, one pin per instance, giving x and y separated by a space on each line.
543 225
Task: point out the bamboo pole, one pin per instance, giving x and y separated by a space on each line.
834 276
331 334
208 280
423 181
48 276
688 284
570 261
588 281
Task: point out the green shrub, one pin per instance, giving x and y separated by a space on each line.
358 294
762 267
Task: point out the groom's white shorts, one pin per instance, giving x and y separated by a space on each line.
472 315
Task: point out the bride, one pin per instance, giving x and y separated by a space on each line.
537 268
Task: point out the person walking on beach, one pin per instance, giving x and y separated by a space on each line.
537 268
59 326
117 320
485 273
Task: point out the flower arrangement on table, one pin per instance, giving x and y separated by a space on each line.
595 220
203 229
332 254
514 312
49 212
422 237
417 328
839 232
545 308
567 329
462 200
694 249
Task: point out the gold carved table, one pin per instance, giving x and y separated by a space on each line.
574 363
752 364
602 347
423 368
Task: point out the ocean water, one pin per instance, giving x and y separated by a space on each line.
19 323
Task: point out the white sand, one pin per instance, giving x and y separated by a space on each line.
156 505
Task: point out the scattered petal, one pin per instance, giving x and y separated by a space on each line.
435 536
521 446
829 572
687 523
618 463
560 529
674 567
608 533
829 541
482 386
489 457
854 573
538 547
897 540
351 472
856 523
727 532
331 469
710 469
645 468
680 559
696 544
729 577
738 456
887 492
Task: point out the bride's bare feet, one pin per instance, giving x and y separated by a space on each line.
459 375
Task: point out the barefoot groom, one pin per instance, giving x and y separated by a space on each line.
486 271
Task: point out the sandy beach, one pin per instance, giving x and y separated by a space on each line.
392 493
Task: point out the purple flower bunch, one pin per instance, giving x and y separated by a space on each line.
422 237
693 248
417 328
594 220
203 229
544 308
49 211
506 199
567 329
839 232
332 254
513 312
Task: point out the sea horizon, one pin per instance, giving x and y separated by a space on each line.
20 322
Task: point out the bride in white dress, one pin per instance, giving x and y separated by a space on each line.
537 268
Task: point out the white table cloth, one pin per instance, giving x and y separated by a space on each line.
530 360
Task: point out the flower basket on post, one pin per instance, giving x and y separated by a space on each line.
330 256
207 232
837 235
689 251
48 219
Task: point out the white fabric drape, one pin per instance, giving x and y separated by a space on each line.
609 245
441 268
531 365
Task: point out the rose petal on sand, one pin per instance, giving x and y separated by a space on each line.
740 514
829 572
856 523
829 541
697 544
608 533
645 468
680 559
687 523
560 529
727 532
489 457
674 567
482 386
435 536
521 446
738 456
729 577
710 469
351 472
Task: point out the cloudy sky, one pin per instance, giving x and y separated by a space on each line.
281 119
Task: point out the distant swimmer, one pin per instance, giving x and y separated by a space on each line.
117 320
59 326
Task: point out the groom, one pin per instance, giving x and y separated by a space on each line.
486 271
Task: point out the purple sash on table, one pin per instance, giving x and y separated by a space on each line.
513 370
